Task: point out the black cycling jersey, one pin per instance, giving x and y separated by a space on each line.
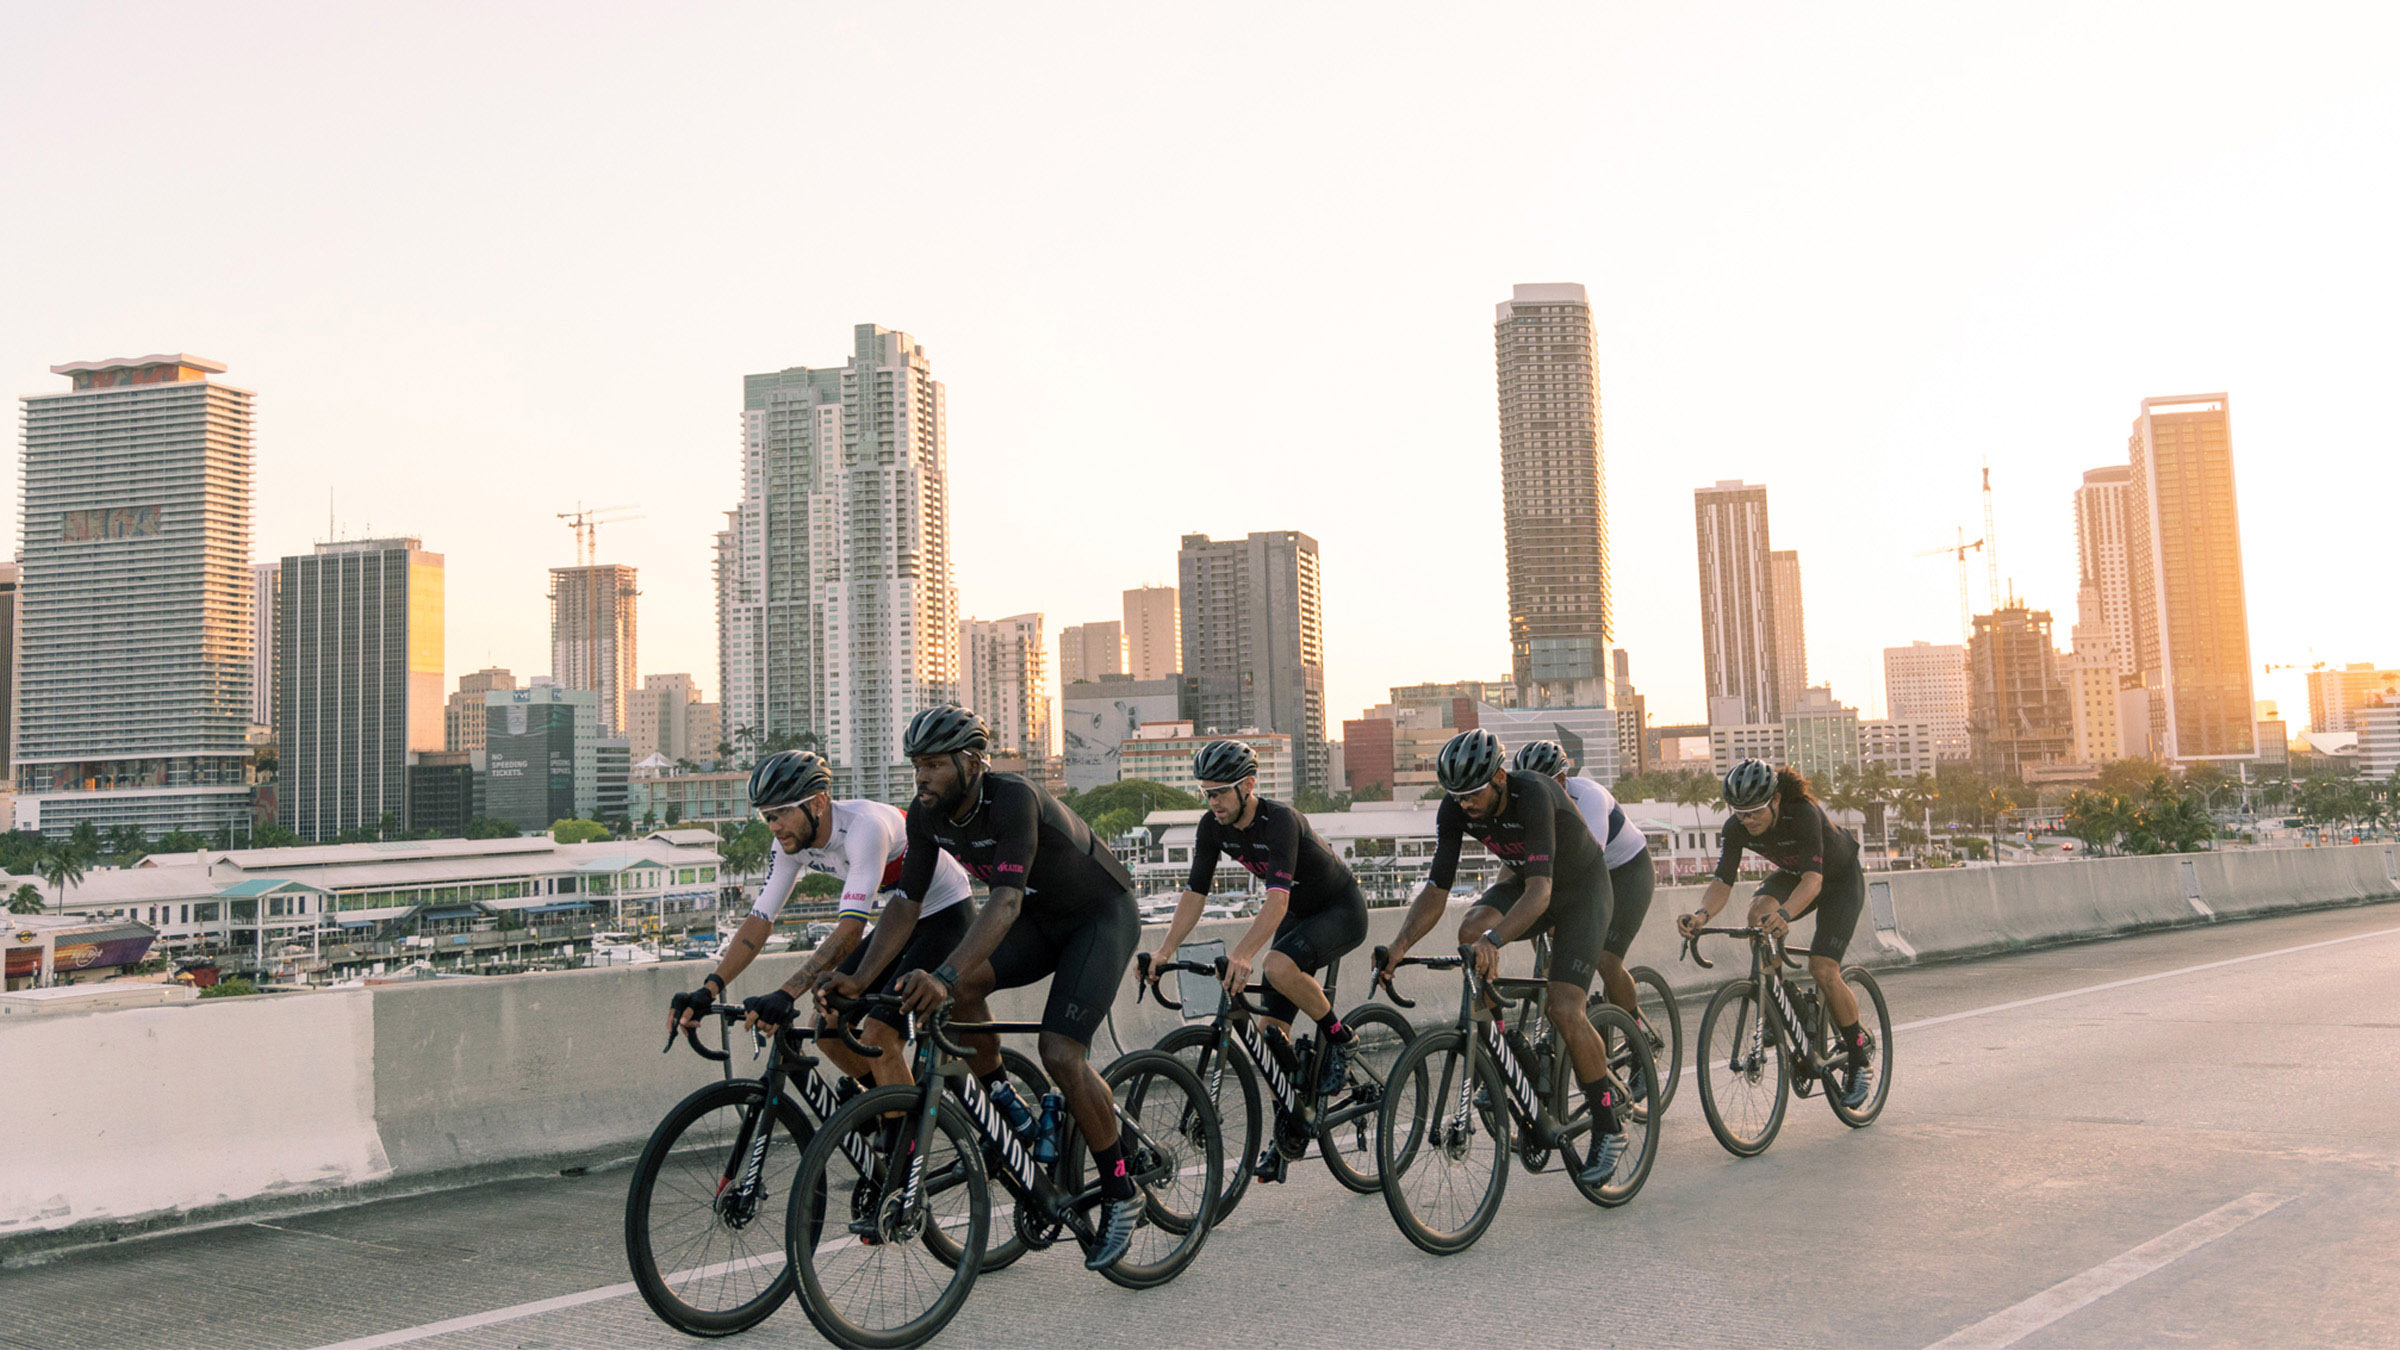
1279 849
1017 835
1538 834
1802 839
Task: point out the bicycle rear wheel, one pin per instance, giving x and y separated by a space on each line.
1442 1142
1175 1149
703 1231
1876 1019
1230 1081
1628 1059
865 1278
1663 1019
1745 1085
1346 1128
1030 1083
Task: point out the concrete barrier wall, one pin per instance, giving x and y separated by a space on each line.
116 1121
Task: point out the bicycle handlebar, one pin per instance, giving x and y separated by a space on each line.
1691 945
1149 974
1383 978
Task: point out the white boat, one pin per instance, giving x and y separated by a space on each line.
620 949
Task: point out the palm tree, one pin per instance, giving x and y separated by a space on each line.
62 866
1920 793
27 900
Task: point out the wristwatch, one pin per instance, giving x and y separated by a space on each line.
947 974
1492 936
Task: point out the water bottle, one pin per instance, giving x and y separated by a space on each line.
1045 1137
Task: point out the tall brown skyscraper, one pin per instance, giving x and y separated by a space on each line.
1791 641
1551 499
593 637
2191 620
1739 654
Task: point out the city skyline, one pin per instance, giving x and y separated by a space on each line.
1838 383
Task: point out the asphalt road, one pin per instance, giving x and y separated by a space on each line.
2119 1143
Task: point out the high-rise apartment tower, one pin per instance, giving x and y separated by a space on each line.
2100 553
1254 638
837 617
1153 633
1552 499
1739 655
358 673
134 664
1927 682
1088 651
1791 628
1004 676
2191 618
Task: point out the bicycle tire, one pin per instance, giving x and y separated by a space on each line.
827 1260
1348 1148
1869 993
1726 1036
1236 1097
1030 1083
1643 1120
1171 1112
697 1265
1443 1071
1658 1005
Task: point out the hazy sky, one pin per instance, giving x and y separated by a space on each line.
1228 268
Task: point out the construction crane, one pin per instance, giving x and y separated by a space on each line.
586 523
1990 540
1966 624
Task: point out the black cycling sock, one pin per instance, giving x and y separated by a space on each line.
1331 1026
995 1078
889 1139
1854 1040
1603 1101
1115 1181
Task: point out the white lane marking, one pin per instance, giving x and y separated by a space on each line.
538 1307
2138 979
2010 1325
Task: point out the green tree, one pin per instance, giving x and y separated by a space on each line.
180 841
818 886
577 831
489 827
62 867
1114 808
650 819
1310 800
674 814
745 854
620 828
127 844
2097 818
387 826
85 840
271 835
26 900
1373 792
2126 778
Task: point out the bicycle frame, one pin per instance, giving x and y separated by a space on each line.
1242 1021
1476 993
785 1061
1768 959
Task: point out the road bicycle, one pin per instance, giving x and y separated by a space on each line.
705 1210
1461 1099
887 1244
1661 1021
1234 1053
1759 1026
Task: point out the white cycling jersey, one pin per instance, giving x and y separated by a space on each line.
868 843
1620 842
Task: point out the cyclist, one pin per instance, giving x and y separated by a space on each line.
1061 906
1557 881
1631 880
1817 868
862 843
1314 912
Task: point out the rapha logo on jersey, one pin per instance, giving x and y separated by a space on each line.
1074 1011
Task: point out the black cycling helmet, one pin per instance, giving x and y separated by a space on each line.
788 776
1224 762
944 729
1467 760
1547 758
1750 785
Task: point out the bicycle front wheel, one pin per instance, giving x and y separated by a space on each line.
1877 1019
1664 1021
1744 1082
704 1214
1346 1117
866 1280
1230 1081
1442 1142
